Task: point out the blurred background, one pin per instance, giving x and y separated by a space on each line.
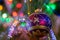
12 9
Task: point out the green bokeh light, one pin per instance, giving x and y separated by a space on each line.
50 7
2 19
8 20
23 24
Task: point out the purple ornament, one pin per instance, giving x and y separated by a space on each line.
40 19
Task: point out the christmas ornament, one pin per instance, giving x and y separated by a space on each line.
41 26
40 19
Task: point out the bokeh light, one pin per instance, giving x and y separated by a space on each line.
50 7
2 20
8 20
23 24
1 7
4 15
30 0
14 14
28 13
23 19
18 5
9 1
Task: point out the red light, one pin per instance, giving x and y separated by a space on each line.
18 5
14 13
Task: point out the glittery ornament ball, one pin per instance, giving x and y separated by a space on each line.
40 19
